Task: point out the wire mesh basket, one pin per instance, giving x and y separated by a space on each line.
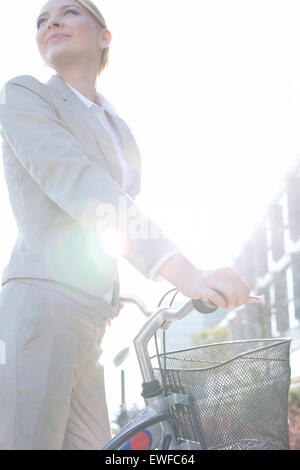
238 393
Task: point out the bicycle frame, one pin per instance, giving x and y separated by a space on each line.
155 421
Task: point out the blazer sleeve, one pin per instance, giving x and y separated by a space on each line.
53 157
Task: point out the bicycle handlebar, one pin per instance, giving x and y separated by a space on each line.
201 305
133 299
162 318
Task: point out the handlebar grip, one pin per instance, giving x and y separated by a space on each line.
204 305
207 305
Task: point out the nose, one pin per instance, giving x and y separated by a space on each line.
54 22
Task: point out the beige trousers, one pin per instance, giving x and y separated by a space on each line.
52 393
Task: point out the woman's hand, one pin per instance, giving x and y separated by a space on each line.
197 284
207 284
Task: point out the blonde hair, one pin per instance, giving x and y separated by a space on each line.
95 12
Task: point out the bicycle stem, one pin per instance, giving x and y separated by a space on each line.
160 319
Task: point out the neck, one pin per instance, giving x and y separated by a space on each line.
82 80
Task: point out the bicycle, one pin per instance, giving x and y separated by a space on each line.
230 395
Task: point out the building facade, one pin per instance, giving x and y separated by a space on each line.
270 263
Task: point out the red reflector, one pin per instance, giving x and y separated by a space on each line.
140 441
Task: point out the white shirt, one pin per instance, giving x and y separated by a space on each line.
98 110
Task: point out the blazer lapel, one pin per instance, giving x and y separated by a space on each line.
79 111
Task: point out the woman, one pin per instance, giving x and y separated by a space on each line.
72 166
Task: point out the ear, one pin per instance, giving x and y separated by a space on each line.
105 39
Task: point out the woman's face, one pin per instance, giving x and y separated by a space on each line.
67 32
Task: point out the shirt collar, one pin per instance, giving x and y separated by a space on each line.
102 101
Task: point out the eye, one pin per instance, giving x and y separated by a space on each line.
69 10
72 11
38 24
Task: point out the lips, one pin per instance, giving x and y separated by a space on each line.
56 36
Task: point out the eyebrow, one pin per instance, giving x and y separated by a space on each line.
65 6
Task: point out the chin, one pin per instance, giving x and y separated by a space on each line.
58 58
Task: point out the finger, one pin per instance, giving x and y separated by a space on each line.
217 298
239 285
226 289
234 276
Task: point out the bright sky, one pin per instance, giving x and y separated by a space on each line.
211 92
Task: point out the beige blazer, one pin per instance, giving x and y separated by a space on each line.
60 164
